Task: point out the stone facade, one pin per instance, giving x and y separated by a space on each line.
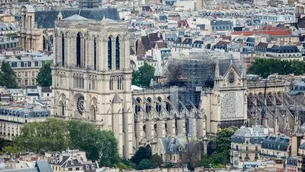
226 104
92 76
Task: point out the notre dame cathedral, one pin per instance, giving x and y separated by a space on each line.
92 82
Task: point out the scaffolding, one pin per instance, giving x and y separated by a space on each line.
195 71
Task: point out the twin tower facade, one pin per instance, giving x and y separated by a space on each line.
92 76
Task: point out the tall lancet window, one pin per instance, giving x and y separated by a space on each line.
109 53
94 54
63 49
78 50
117 53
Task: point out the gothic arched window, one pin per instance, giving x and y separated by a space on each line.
62 49
62 109
94 54
148 105
137 107
109 53
78 50
117 53
158 105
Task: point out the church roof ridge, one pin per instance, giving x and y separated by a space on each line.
75 17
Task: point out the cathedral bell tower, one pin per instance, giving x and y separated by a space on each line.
92 76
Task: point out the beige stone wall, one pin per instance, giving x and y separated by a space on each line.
10 126
106 92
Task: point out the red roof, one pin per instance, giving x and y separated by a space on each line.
266 32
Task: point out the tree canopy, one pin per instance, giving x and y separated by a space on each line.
51 135
58 135
143 159
265 67
143 76
221 145
141 153
44 77
7 76
99 145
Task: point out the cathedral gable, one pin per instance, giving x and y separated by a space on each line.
231 77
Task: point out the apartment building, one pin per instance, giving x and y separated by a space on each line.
246 144
89 3
12 118
27 66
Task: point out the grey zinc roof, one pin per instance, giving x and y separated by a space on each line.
225 64
25 112
43 166
221 23
46 19
21 170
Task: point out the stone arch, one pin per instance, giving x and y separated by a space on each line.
144 130
117 52
168 105
109 51
148 105
270 99
159 104
62 39
279 97
155 129
61 106
92 115
44 42
138 105
78 49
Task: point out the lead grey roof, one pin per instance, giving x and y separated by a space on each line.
21 170
25 112
46 19
43 166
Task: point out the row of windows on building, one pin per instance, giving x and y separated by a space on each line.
27 64
8 45
27 82
119 84
80 51
8 130
27 74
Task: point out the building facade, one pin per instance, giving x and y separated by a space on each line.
37 27
89 3
246 144
13 118
27 67
92 76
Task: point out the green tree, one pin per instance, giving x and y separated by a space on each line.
11 150
265 67
143 76
145 164
141 154
156 160
98 144
39 137
7 76
44 77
